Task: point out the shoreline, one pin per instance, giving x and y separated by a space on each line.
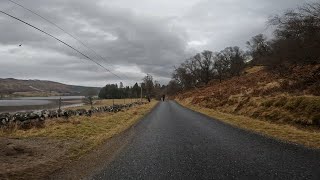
27 104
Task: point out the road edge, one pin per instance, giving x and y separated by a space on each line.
254 131
93 161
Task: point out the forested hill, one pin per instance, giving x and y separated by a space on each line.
16 87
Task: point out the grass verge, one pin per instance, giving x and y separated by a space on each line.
288 133
88 132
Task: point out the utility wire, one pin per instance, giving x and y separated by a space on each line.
54 24
60 41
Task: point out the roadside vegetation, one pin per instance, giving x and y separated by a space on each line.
91 130
273 87
261 95
307 136
31 150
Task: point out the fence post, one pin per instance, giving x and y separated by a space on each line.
59 104
112 104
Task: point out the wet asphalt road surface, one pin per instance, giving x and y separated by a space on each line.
173 142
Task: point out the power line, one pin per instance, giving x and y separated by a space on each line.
54 24
60 41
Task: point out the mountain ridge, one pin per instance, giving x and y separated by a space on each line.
34 87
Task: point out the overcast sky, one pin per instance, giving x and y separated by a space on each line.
134 36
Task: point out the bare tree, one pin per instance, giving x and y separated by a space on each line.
222 64
148 85
234 60
88 100
173 88
259 47
89 97
297 35
201 67
184 78
207 66
192 69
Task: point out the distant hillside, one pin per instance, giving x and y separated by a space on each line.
16 87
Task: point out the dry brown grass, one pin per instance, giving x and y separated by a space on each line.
88 131
254 69
263 95
285 132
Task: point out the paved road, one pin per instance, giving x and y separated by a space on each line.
173 142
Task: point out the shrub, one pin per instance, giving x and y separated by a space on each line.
281 102
315 89
293 103
304 103
257 113
316 120
268 103
273 115
313 106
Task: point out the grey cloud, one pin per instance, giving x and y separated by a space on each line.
148 36
229 22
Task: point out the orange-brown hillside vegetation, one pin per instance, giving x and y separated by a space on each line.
261 94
